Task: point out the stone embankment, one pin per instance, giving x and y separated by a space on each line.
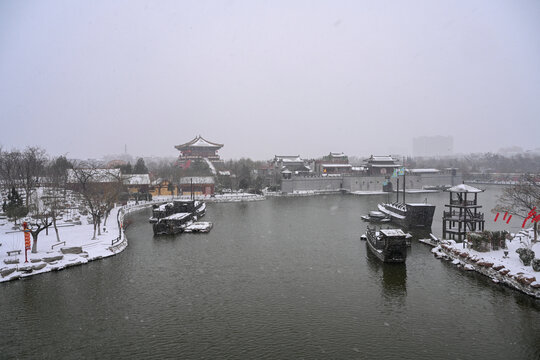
497 271
300 193
218 198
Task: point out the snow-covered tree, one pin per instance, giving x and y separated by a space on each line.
522 200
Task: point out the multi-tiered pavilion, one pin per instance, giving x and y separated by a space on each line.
462 215
198 149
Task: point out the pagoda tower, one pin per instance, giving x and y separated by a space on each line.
462 215
198 149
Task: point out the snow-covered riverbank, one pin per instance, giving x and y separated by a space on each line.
76 246
505 269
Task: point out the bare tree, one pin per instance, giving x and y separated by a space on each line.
40 218
57 183
32 168
522 200
99 189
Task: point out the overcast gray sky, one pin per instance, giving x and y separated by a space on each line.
268 77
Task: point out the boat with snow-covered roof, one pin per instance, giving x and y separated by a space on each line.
173 217
198 208
173 224
388 245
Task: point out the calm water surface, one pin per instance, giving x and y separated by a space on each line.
279 279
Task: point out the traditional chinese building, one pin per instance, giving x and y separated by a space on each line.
381 165
333 163
198 185
198 149
163 187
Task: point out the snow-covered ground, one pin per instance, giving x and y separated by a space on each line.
75 247
366 192
507 269
419 191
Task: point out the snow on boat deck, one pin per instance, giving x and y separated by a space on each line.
391 213
177 216
201 226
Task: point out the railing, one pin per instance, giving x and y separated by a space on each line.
117 240
455 215
462 203
63 242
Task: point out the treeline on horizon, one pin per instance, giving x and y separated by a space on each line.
13 160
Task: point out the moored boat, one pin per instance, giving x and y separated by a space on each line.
376 217
409 215
195 207
199 227
172 224
388 245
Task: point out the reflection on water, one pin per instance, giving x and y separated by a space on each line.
392 276
278 279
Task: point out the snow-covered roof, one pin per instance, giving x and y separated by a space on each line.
392 232
336 165
384 165
290 160
423 171
381 158
337 155
286 171
136 179
358 168
462 188
157 181
197 180
287 158
224 173
199 141
94 175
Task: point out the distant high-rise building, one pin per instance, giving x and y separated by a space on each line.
433 146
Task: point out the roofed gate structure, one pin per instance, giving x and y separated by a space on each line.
198 149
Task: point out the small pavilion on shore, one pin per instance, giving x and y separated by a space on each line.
463 213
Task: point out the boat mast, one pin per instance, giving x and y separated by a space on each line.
403 180
397 192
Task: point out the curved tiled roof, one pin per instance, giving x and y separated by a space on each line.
199 141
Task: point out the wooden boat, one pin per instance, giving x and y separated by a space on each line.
173 224
388 245
199 227
409 215
197 208
376 217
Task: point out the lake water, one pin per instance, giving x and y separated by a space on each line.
285 278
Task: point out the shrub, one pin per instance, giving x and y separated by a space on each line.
536 264
525 255
486 240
